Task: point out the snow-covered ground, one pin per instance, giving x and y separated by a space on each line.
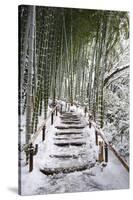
113 176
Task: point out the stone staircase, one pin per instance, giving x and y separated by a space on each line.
70 147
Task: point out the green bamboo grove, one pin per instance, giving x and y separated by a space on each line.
64 54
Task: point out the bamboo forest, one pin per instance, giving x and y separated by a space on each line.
73 100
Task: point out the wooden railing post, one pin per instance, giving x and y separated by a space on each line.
96 137
43 133
61 109
36 149
90 118
100 151
106 152
52 118
66 106
89 124
27 157
56 110
31 153
107 146
85 110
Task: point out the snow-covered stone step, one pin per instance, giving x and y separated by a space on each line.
52 171
69 138
69 133
83 158
70 122
69 114
67 144
66 156
70 126
68 150
71 130
70 119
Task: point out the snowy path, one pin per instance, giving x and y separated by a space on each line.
71 148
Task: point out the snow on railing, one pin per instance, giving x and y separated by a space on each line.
29 149
41 127
102 135
98 131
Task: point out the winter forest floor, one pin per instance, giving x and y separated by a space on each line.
83 153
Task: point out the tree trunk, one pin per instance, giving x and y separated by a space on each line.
29 86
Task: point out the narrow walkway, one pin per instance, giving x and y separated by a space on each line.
66 161
70 151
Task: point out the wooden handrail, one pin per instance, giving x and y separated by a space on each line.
32 140
100 132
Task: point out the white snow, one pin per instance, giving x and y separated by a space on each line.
113 176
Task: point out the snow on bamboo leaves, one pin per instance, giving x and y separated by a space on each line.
66 54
